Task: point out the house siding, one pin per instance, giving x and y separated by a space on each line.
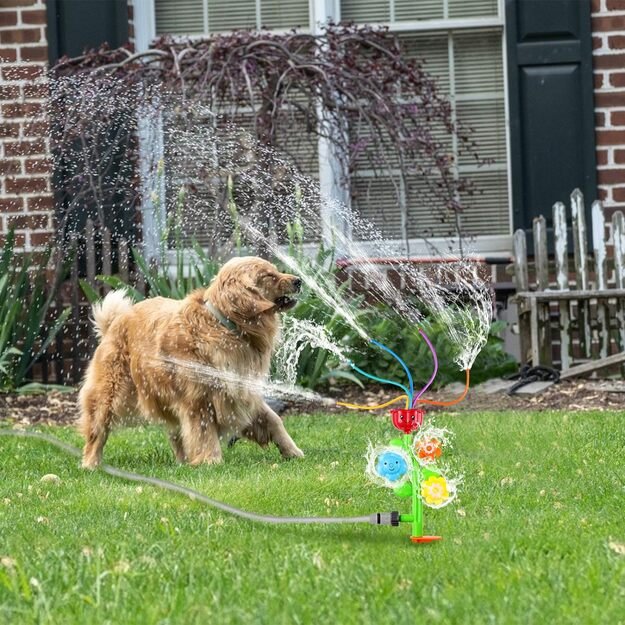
26 201
608 30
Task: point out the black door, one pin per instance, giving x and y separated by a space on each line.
78 25
551 105
75 26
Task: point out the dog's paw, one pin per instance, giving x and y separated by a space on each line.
203 460
292 452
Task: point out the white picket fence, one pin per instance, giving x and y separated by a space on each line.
581 309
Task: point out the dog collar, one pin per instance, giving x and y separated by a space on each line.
225 322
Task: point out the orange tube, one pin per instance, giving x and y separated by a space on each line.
453 401
388 403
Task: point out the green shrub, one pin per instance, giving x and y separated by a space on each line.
405 340
25 301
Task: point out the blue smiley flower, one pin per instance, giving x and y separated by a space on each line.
391 466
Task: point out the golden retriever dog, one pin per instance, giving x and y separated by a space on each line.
153 357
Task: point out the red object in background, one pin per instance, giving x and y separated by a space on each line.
407 420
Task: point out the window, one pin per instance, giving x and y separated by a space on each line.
461 44
467 60
196 17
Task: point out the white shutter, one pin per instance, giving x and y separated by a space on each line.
478 62
225 16
487 118
473 8
486 212
411 10
179 17
433 49
375 199
365 11
285 14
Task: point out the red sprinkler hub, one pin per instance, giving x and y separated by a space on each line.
407 420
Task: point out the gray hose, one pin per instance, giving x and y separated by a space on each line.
374 518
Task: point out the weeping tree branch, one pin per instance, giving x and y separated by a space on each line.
356 76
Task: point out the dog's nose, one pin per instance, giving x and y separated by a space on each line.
297 284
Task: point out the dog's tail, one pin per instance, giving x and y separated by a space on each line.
106 311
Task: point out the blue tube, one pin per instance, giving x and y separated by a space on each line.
401 362
382 380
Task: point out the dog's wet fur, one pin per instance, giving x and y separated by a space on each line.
128 376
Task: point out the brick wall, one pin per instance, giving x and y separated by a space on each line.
608 26
25 192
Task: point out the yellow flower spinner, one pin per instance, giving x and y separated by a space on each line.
434 491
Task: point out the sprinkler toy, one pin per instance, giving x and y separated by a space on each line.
408 464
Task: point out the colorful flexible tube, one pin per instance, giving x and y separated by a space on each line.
401 362
384 405
433 376
453 401
377 379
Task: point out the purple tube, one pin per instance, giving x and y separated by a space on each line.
427 386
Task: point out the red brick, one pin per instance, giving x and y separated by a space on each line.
615 5
11 204
619 156
27 222
10 167
618 194
611 176
24 148
608 22
36 92
28 109
595 6
602 194
609 61
26 185
610 137
9 130
9 92
35 129
596 42
617 79
35 16
34 53
598 79
40 238
599 120
37 166
40 203
610 99
22 72
20 239
616 42
21 35
617 118
8 18
8 55
602 157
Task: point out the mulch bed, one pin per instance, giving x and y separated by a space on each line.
60 408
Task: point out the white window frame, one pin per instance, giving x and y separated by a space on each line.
494 246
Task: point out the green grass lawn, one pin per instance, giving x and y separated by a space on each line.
536 536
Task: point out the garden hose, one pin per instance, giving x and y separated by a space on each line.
377 518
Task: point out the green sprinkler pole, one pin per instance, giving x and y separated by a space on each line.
416 517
